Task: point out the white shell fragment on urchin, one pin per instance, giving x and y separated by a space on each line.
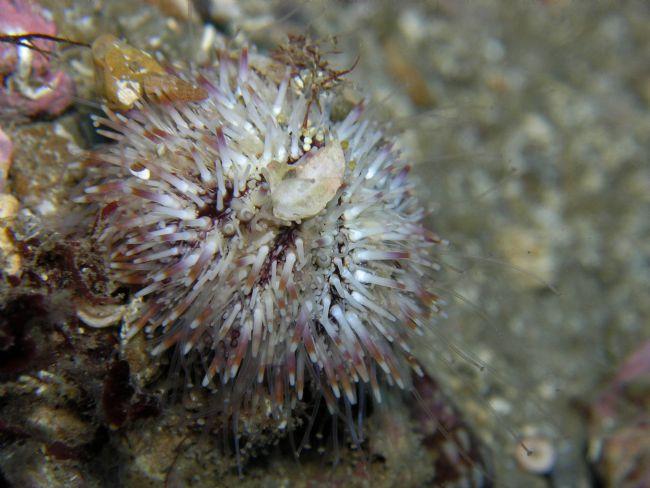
276 247
304 189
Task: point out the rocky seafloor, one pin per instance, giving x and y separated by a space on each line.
528 125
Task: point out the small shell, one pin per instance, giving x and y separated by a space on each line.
124 74
536 454
119 69
304 189
100 316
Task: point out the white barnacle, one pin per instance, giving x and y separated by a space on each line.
304 189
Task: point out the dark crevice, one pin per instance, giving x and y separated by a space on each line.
285 239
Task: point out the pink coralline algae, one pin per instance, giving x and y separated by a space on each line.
30 84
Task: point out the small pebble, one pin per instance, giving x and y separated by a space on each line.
536 455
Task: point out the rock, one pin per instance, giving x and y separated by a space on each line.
8 206
6 155
10 259
530 252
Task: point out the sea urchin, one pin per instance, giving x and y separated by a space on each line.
274 242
